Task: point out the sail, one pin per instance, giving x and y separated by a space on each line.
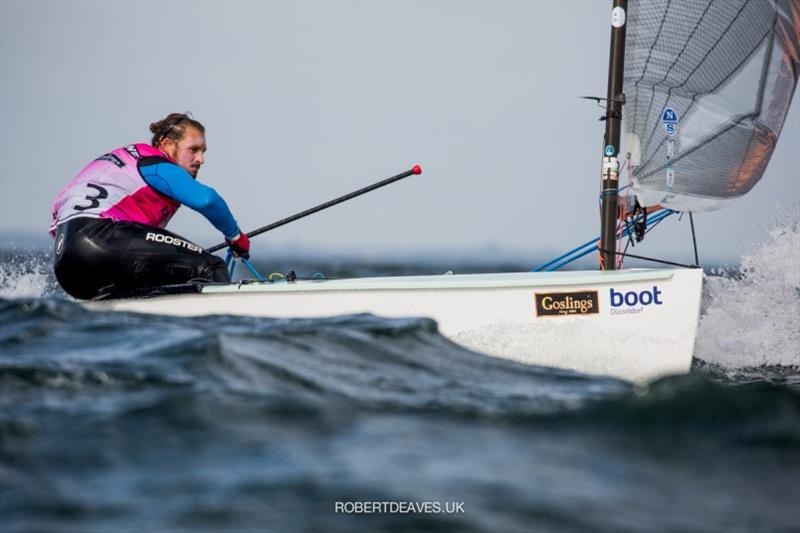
708 84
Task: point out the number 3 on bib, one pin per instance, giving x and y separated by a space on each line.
94 200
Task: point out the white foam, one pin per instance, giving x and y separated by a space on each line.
752 317
575 346
25 276
543 344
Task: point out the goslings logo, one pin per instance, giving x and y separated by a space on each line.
566 303
632 302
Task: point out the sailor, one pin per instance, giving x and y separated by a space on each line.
108 222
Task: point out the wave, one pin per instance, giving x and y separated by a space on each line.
27 275
684 407
227 422
357 362
236 422
749 331
751 314
361 359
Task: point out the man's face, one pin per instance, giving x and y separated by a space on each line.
188 152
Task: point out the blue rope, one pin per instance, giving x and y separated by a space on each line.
588 247
562 256
252 269
231 264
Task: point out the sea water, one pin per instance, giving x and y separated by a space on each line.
122 422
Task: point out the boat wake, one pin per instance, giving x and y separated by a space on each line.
26 275
751 315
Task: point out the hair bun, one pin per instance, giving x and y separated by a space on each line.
173 127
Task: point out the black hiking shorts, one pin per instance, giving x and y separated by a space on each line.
101 258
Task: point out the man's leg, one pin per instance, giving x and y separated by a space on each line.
157 257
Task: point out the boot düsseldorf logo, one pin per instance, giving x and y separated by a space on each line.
633 302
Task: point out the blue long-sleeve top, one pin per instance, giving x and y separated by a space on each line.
175 182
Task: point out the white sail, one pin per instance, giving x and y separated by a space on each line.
708 85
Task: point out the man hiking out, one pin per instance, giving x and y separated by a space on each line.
108 222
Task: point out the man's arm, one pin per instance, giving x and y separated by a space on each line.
175 182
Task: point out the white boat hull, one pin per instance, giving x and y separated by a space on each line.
636 325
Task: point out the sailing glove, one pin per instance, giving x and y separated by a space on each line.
240 246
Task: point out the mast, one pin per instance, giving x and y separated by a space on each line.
615 100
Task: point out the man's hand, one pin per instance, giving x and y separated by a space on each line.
240 246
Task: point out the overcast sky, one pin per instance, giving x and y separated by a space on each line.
305 101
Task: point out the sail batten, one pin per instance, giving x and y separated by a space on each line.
708 86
